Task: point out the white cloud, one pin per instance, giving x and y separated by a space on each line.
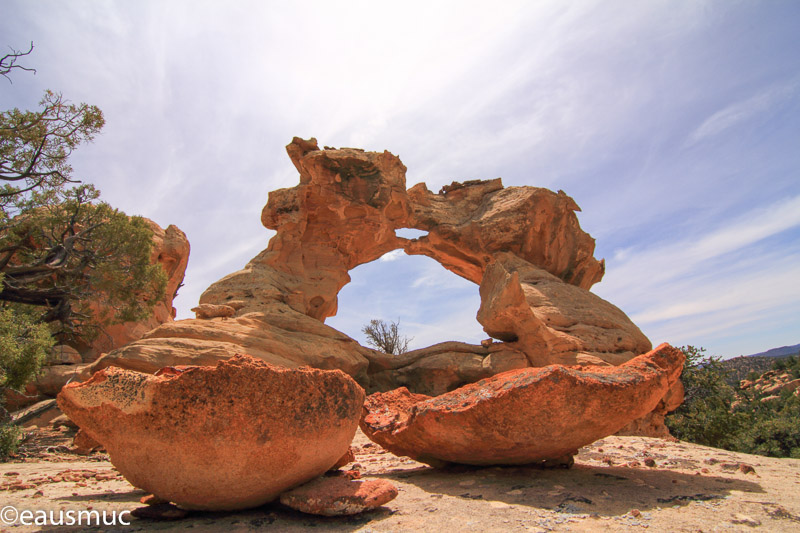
663 261
742 111
394 255
702 289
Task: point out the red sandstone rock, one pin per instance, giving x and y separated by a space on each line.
228 437
348 457
523 245
653 423
83 444
213 311
160 511
521 416
339 495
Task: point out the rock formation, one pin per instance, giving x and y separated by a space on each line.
521 416
218 438
522 245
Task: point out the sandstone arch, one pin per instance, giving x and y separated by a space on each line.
522 245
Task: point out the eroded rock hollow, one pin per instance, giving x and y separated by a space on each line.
522 246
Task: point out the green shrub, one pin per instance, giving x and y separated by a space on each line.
775 429
24 344
10 435
705 417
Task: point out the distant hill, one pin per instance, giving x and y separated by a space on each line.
741 366
778 352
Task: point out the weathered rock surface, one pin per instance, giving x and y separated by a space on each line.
521 416
551 321
522 245
346 459
218 438
469 222
278 335
339 496
653 423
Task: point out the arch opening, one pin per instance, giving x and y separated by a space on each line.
410 233
431 304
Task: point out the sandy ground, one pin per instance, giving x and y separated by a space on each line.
610 488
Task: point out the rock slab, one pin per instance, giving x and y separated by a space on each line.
339 495
522 416
228 437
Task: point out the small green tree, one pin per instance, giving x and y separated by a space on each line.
84 263
386 337
706 416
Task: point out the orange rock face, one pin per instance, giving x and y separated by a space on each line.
522 245
218 438
521 416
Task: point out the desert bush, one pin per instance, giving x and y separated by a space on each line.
706 417
716 414
386 337
10 435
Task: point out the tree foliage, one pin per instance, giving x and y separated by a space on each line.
705 416
24 344
386 337
69 263
717 414
85 263
35 145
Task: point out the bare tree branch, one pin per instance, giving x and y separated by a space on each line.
9 62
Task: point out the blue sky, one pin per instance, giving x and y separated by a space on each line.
674 125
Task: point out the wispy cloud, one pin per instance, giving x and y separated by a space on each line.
706 286
663 261
742 111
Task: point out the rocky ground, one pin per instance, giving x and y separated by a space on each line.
617 484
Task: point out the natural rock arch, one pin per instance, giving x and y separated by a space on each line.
522 245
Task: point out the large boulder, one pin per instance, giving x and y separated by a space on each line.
521 416
227 437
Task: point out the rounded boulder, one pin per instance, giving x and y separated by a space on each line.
227 437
